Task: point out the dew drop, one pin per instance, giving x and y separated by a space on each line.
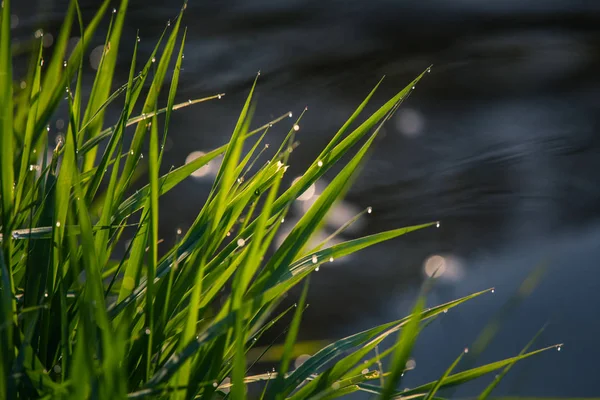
437 224
57 369
228 234
169 23
189 101
153 59
290 114
330 259
314 259
114 10
179 231
282 220
369 210
42 62
466 350
65 64
215 384
147 331
428 70
446 311
335 385
241 242
320 163
365 371
558 348
141 155
138 39
493 290
296 127
413 88
131 152
58 224
317 269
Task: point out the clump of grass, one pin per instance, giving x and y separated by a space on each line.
77 321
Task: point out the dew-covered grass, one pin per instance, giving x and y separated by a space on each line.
79 320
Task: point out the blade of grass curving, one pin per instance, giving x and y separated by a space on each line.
488 390
474 373
330 352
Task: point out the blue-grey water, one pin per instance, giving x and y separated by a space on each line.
500 142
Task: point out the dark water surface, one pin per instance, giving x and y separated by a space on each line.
500 143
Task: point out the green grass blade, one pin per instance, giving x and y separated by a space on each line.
448 371
406 341
290 340
103 81
488 390
474 373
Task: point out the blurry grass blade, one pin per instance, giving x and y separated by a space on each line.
290 341
406 341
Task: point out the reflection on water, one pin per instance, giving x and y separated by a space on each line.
500 142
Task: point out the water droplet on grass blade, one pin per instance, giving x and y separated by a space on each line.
314 259
437 224
320 163
240 242
369 210
58 224
296 128
290 114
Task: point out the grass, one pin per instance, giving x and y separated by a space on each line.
77 321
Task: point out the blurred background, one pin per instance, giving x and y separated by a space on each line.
500 142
